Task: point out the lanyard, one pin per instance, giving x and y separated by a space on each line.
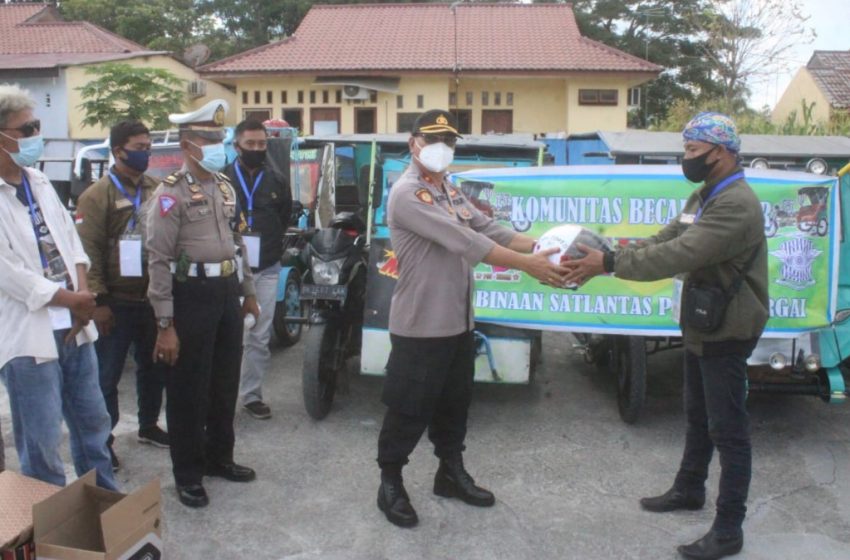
249 196
137 202
716 190
33 219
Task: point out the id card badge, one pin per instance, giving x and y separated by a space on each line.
130 255
60 317
676 304
252 245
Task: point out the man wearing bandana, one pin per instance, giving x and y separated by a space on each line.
717 241
438 237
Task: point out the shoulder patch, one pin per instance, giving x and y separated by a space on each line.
166 203
172 179
425 196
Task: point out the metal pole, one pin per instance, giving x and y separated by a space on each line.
370 210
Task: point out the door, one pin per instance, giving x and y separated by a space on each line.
365 120
324 120
497 121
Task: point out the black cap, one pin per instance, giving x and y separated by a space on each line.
435 121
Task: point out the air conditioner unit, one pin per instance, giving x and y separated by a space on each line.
197 88
354 92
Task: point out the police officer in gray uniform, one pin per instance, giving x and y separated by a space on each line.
438 237
196 278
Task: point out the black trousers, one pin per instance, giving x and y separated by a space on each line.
715 395
203 386
428 385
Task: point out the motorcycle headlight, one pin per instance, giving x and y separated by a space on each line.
327 273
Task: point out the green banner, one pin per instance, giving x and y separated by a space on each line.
625 203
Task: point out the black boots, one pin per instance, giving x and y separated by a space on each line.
394 501
712 546
452 481
672 500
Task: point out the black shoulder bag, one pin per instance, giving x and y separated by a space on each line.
704 307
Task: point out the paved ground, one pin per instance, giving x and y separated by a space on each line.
566 471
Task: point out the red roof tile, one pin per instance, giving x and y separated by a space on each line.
31 30
421 37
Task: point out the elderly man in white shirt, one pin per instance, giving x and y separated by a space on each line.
47 359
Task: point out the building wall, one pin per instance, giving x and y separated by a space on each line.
538 104
802 87
51 104
76 77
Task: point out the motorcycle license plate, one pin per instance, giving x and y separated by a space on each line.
313 291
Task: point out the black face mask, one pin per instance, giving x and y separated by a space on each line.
696 169
253 158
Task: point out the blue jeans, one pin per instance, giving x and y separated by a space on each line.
135 325
40 395
715 395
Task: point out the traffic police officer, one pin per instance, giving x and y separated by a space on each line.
196 277
434 229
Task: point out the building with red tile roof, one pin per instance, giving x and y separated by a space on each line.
374 67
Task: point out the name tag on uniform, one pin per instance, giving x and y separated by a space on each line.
252 245
130 255
60 317
687 218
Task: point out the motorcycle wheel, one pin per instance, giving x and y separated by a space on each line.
318 376
288 334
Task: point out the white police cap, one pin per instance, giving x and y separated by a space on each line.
210 117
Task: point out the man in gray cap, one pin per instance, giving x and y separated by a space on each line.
197 275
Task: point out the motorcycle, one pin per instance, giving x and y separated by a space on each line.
334 285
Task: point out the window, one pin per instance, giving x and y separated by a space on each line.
509 99
294 117
326 96
256 114
365 120
405 121
485 98
464 120
283 97
634 97
469 99
597 97
244 98
420 101
373 96
256 97
339 96
269 97
452 98
300 96
312 96
497 98
399 102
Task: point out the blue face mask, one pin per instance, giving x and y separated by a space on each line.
29 150
214 158
137 160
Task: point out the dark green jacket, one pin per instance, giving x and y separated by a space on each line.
711 251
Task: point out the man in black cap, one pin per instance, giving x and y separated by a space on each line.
433 227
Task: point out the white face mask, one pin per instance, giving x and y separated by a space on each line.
436 157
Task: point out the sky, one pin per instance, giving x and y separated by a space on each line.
828 17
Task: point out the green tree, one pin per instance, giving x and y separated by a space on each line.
120 91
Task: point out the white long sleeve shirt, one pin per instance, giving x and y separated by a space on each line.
25 324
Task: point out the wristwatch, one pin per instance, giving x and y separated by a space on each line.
163 322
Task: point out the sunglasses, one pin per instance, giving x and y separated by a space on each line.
449 140
27 129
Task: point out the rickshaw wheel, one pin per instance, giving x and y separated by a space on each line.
629 363
318 376
823 227
288 334
771 229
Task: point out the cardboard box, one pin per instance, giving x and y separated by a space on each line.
84 522
18 493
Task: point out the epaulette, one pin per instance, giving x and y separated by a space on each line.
222 177
172 179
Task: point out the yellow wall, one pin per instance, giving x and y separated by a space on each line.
540 104
802 87
76 76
